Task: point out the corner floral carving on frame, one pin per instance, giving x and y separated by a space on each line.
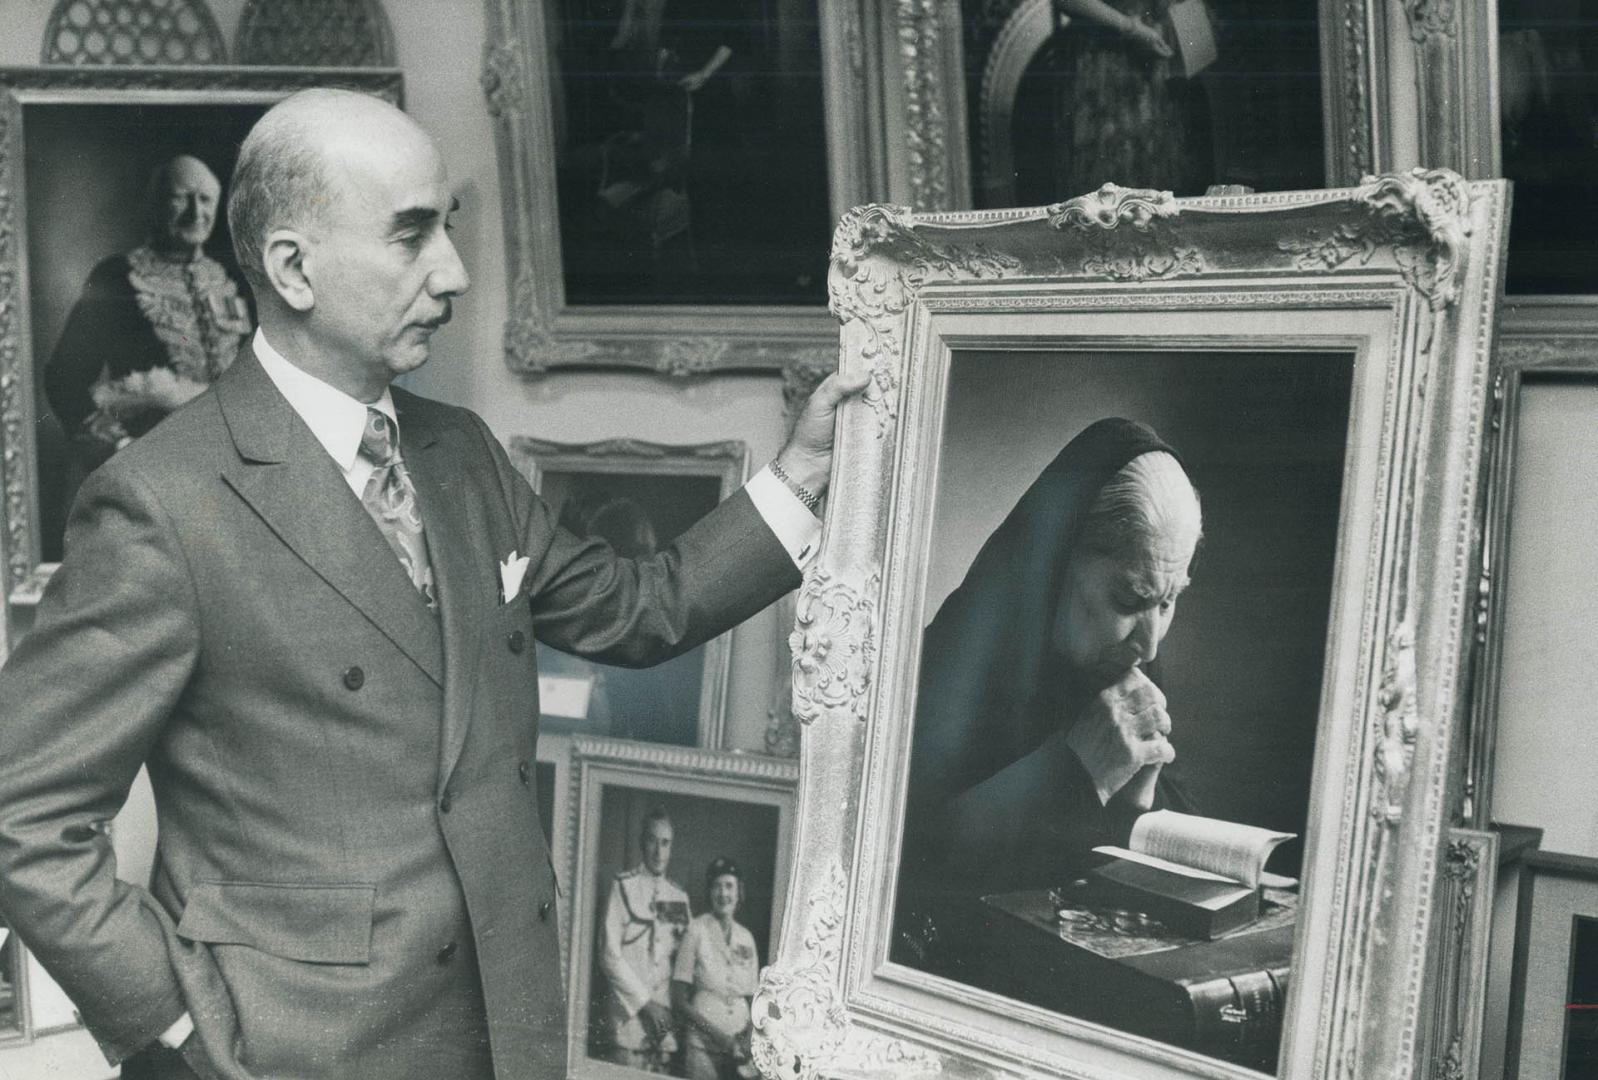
530 346
1395 750
801 1028
834 647
1422 215
1428 204
877 266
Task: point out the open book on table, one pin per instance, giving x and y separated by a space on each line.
1200 876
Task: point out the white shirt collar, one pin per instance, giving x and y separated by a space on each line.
335 418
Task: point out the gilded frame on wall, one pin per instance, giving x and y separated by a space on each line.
654 478
1400 276
543 329
698 788
226 89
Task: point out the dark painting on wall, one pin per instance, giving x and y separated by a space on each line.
135 299
1102 595
690 151
1548 124
1174 95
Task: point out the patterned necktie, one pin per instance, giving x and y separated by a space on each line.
390 498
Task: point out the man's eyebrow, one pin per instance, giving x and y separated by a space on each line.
415 217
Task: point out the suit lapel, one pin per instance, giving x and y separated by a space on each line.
463 564
287 477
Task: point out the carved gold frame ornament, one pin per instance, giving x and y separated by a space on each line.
543 331
1401 274
130 85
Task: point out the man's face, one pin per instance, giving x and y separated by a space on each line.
186 203
1115 610
656 845
381 267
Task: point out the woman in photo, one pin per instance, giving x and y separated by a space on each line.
714 980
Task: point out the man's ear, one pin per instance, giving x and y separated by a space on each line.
285 257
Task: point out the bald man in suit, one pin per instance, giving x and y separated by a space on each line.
307 602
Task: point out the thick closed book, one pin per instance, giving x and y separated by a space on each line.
1192 906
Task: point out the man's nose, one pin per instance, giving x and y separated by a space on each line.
449 277
1145 635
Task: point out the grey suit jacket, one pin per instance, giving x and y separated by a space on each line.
351 880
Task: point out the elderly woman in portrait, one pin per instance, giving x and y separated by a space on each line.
714 980
1039 733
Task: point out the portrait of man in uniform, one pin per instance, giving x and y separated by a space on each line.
646 915
154 325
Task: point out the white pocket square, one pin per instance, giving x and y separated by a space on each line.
511 572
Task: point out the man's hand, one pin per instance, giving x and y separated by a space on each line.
1121 734
656 1019
807 459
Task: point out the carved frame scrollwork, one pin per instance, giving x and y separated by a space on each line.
543 331
130 85
1401 272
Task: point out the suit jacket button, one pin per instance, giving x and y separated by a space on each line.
445 801
543 911
525 771
446 953
517 641
354 677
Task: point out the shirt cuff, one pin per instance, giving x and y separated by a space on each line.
176 1035
796 528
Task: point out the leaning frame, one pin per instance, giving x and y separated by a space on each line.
726 461
1402 273
595 764
543 331
19 88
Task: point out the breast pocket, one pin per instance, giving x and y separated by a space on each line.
317 924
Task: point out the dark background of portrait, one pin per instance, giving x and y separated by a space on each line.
751 157
545 774
703 828
86 169
1263 437
672 504
1548 89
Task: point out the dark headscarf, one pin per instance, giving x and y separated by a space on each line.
986 654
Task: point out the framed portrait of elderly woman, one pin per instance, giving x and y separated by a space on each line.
119 297
1155 534
637 497
678 871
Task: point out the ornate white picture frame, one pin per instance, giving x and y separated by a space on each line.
1399 277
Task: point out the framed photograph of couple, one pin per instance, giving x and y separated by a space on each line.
119 296
1155 534
636 496
678 873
